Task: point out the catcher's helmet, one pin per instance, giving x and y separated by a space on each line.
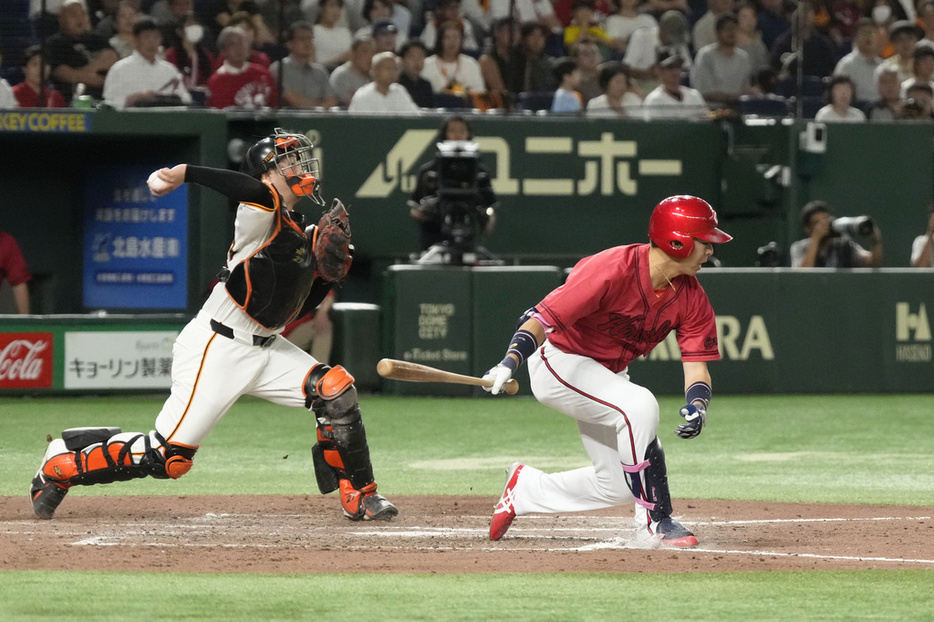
677 220
291 154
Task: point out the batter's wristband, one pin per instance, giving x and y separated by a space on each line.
698 391
522 346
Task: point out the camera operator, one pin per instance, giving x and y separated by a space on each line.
829 243
453 217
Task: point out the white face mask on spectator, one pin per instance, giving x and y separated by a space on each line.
194 33
881 13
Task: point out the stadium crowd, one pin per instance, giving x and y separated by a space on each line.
833 60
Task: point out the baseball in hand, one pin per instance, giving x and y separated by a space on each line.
157 185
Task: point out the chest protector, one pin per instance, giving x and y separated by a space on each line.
271 284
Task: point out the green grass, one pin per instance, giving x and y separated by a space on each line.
870 595
840 449
850 449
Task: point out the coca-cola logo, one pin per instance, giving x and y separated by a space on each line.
25 360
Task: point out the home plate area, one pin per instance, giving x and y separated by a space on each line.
308 534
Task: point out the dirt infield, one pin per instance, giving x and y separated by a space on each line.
307 534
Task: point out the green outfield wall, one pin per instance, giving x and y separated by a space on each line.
568 187
780 331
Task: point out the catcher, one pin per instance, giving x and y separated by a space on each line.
276 269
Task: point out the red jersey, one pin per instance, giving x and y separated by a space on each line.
12 265
29 98
608 311
253 88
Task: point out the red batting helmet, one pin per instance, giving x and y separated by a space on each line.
677 220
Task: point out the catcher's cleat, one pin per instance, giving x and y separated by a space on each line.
365 504
45 492
505 513
674 533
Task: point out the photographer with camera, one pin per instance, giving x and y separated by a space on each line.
830 241
453 201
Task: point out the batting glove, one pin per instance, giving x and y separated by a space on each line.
500 375
696 417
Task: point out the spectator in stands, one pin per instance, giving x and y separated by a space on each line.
33 91
645 44
587 56
383 94
76 54
672 100
450 70
918 104
748 36
658 7
143 78
926 22
257 37
385 36
860 64
353 74
278 15
845 15
618 99
314 331
774 19
413 54
532 68
106 16
626 19
903 35
373 11
826 248
839 102
819 51
564 10
884 14
7 96
13 268
566 99
223 10
450 11
722 73
539 12
402 17
190 55
705 29
498 61
238 83
922 68
302 82
888 106
168 15
333 41
122 40
922 249
584 26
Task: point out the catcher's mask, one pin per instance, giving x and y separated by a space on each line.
677 220
291 154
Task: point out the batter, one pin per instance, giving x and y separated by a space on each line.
617 305
275 271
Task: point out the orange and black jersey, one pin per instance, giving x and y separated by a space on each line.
272 284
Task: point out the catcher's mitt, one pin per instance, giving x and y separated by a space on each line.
333 250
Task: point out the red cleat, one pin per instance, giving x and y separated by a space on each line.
504 513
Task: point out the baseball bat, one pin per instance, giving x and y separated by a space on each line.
414 372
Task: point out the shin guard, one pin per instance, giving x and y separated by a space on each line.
656 482
342 452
